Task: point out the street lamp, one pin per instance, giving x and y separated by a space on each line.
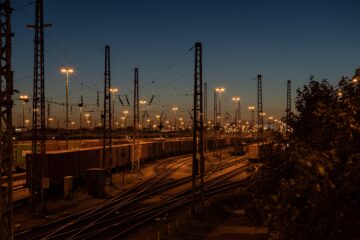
67 71
142 102
270 122
238 115
87 119
113 91
220 90
252 109
25 99
26 122
50 119
175 110
158 118
126 112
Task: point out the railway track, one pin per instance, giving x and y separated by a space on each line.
119 225
125 210
167 166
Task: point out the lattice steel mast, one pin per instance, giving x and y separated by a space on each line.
205 104
260 114
215 108
288 99
38 162
288 107
135 160
198 146
6 103
107 117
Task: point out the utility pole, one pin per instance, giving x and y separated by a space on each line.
237 113
219 90
198 147
107 118
288 103
215 109
135 160
260 114
67 71
38 114
288 107
251 109
205 117
205 104
6 104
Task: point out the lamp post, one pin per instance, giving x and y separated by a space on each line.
27 123
125 112
25 99
142 102
50 119
67 71
113 91
80 125
180 120
252 109
158 119
148 123
219 90
238 115
270 123
175 110
87 119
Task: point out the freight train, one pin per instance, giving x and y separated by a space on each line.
74 162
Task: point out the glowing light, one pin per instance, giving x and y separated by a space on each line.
220 89
25 98
113 90
67 70
251 108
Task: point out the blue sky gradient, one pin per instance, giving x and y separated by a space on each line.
281 40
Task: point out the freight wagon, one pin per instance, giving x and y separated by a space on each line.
74 162
253 151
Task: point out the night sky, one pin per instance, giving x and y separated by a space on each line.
282 40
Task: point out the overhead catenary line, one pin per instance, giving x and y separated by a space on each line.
94 88
168 68
23 6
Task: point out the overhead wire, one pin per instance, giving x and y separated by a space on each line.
95 88
168 68
273 92
72 62
23 6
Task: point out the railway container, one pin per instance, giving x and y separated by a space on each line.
75 162
20 151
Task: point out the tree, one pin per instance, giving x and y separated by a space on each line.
310 190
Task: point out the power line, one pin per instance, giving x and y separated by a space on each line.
169 67
72 62
23 6
95 88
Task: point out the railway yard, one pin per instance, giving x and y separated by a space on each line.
160 192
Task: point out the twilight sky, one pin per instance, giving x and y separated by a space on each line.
282 40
